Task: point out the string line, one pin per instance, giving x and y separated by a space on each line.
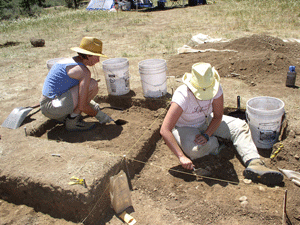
158 166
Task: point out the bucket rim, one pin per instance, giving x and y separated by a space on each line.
153 71
109 61
271 111
161 61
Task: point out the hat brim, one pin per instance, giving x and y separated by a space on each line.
202 94
83 51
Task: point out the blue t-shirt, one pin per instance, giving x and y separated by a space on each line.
57 81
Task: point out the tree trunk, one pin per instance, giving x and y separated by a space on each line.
75 3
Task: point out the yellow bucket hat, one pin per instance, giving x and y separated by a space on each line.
90 46
204 81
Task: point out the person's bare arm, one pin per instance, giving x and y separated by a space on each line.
82 74
169 122
217 105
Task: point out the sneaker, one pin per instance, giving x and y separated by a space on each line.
257 171
61 120
77 124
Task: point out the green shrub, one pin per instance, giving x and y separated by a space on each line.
14 9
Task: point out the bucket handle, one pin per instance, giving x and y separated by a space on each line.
247 117
156 84
117 75
125 78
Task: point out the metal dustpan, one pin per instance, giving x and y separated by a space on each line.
17 116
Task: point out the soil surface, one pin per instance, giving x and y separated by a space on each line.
164 193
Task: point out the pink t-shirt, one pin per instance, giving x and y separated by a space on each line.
194 110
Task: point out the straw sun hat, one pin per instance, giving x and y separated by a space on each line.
204 81
90 46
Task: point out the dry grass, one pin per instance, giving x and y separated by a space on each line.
140 35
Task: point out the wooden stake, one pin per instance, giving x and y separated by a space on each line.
284 208
127 173
285 218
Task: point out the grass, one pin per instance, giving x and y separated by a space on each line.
232 15
261 15
140 35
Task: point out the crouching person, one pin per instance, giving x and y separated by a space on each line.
69 89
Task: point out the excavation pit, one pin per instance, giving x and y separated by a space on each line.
41 173
40 176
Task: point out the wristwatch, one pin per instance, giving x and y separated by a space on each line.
205 135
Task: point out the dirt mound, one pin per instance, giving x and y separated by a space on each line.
258 43
258 58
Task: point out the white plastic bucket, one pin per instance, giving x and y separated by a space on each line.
51 62
153 74
264 116
116 73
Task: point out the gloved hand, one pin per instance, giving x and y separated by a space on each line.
103 118
95 105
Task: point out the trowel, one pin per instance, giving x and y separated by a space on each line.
120 122
292 175
201 172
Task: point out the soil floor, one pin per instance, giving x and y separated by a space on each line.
162 192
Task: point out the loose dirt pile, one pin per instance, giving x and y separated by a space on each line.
259 59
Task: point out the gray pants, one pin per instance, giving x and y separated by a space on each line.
231 128
58 108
